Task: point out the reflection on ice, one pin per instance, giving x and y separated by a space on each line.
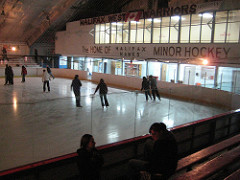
51 125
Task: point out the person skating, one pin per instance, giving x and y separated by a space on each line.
23 73
145 87
76 86
50 72
153 86
103 90
45 80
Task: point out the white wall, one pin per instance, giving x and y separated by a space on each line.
65 73
200 94
17 71
197 93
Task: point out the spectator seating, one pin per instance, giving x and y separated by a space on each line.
189 161
216 157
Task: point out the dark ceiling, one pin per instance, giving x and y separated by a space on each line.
37 21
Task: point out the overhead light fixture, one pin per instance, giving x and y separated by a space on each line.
14 48
204 61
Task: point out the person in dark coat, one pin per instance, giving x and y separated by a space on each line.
50 72
76 85
153 86
11 75
6 74
160 153
89 160
103 90
145 87
23 73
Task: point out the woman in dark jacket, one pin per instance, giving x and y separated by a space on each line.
145 87
102 92
89 160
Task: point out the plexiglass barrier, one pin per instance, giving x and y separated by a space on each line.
129 114
58 124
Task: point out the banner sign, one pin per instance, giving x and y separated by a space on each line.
161 51
135 16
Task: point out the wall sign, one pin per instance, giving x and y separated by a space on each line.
161 51
171 11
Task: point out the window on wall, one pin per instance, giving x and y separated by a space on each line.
220 27
97 31
125 32
174 29
156 30
147 31
107 33
102 33
133 30
154 69
233 27
113 32
119 31
195 28
165 30
206 32
185 28
140 30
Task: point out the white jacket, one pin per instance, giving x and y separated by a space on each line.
45 76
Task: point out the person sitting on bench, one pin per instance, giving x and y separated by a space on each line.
160 154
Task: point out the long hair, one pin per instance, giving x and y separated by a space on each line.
85 140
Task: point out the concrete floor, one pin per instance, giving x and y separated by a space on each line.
35 126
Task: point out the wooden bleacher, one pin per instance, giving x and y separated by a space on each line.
222 154
187 162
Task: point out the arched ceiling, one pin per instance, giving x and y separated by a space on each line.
33 21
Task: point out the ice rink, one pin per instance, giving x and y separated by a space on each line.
36 126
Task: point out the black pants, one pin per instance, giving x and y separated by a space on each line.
105 99
44 85
155 93
147 93
78 98
23 77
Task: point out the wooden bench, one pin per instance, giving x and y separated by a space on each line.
211 167
234 176
189 161
193 159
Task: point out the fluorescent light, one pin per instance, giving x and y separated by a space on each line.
117 23
156 20
136 22
206 15
176 18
